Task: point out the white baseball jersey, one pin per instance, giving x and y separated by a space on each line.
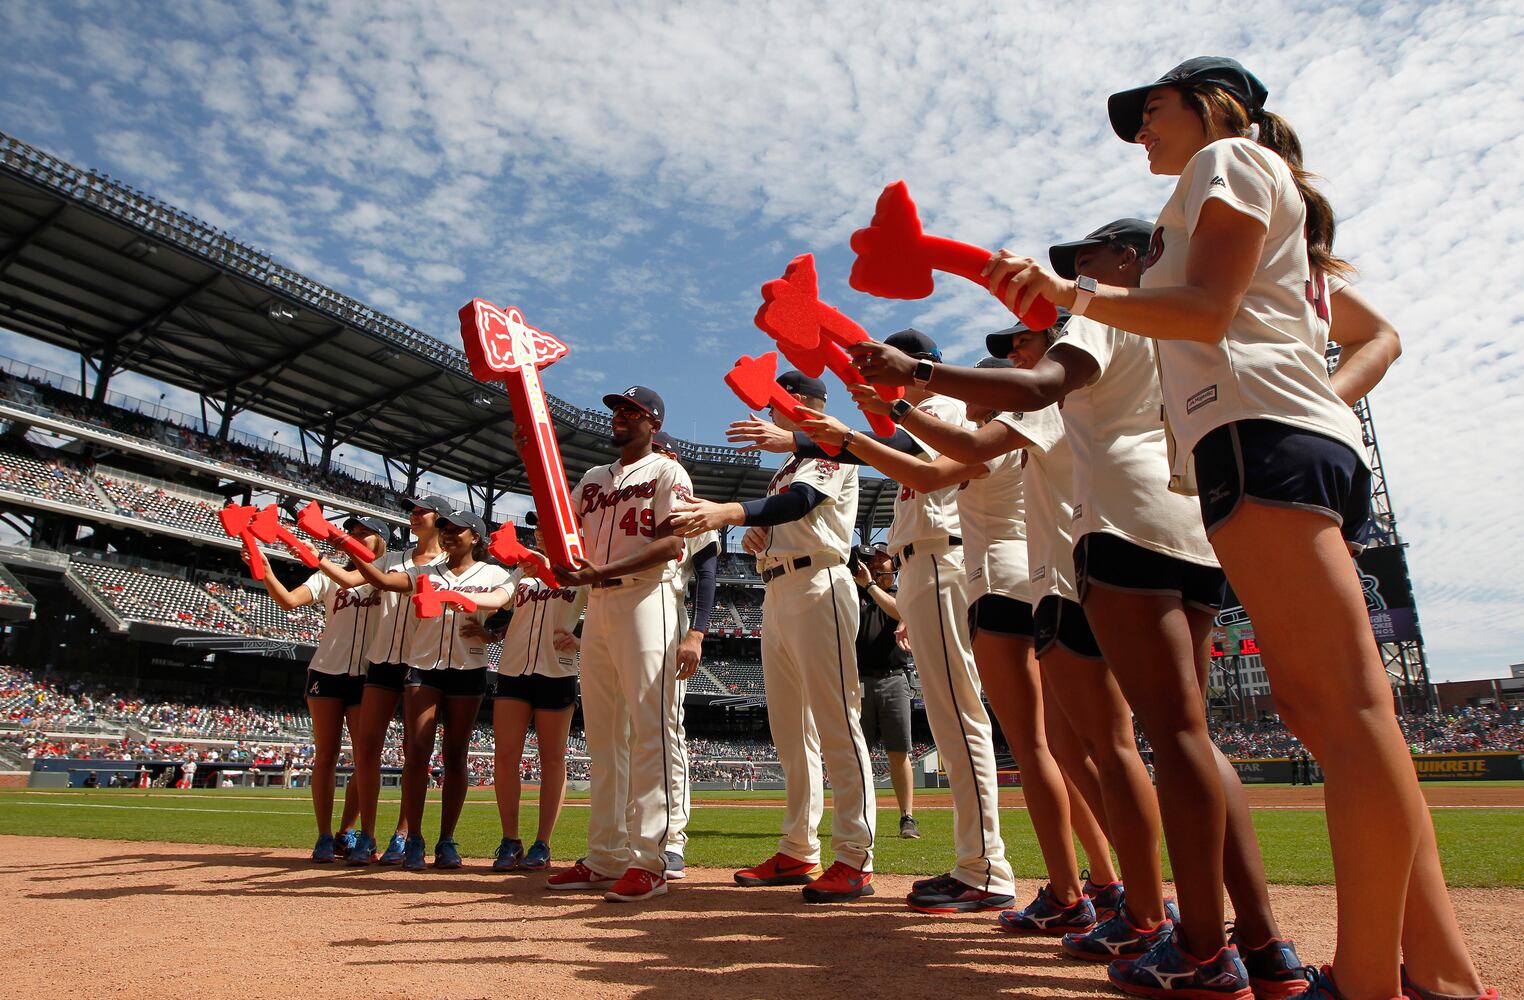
992 511
933 515
1048 470
350 617
395 624
621 508
827 528
1269 365
1115 427
691 548
539 610
436 643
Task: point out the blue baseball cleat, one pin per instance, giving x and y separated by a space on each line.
447 854
323 850
538 858
1275 970
414 854
363 852
396 849
1116 938
510 855
1166 972
1107 898
1045 915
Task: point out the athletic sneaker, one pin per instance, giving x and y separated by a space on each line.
1045 915
951 895
447 854
579 876
676 867
1320 984
780 869
538 857
1107 898
1166 972
347 840
1275 971
840 883
395 849
636 885
1412 992
323 850
364 851
909 829
1116 938
414 855
922 883
510 855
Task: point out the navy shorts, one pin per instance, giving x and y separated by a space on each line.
1059 621
1115 562
348 688
451 682
1278 465
391 676
1000 614
548 694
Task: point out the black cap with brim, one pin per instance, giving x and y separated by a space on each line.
993 362
662 441
1126 107
641 397
800 384
465 519
999 343
1129 232
374 524
433 502
915 343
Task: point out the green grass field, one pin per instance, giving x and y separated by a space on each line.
1480 847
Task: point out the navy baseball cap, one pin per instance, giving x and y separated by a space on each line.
433 502
1134 233
1126 107
800 384
915 343
465 519
662 441
999 343
375 524
994 363
531 518
645 399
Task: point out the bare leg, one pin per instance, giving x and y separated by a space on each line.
552 727
1087 809
420 710
327 729
460 714
903 781
369 737
510 725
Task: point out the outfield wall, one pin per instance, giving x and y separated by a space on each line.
1492 766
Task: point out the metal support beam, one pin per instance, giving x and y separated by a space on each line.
13 252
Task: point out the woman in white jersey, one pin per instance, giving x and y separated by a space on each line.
386 677
336 675
447 675
1235 298
536 682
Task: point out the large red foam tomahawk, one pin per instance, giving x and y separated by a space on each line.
429 600
267 528
895 259
503 348
236 521
812 335
508 550
755 381
310 519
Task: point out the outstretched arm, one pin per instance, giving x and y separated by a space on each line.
1369 341
395 581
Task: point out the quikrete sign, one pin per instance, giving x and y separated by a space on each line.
1469 766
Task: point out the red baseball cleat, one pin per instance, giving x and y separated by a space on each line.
578 876
637 884
840 883
780 869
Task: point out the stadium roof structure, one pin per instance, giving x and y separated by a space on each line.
133 284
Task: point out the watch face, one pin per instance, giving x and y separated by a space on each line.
1086 283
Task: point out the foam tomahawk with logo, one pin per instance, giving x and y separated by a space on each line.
503 348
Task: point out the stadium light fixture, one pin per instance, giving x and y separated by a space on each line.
482 399
138 249
281 313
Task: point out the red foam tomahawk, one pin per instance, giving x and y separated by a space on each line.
267 528
895 259
429 601
508 550
503 348
236 521
310 519
755 380
812 335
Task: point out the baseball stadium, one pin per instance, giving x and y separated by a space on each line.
225 485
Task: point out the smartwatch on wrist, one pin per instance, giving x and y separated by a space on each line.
924 369
846 439
899 408
1084 290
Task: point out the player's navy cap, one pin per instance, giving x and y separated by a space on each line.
465 519
433 502
915 343
1129 232
646 399
999 343
800 384
375 524
531 518
662 441
1126 108
994 363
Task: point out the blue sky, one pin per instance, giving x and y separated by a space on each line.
628 177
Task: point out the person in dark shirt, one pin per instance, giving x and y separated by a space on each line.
883 663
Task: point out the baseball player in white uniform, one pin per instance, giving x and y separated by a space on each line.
634 640
933 602
809 665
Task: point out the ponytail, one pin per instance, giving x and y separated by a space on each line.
1224 115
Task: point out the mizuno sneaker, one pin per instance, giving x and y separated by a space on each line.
1045 915
636 885
1410 991
951 895
537 859
780 869
414 855
840 883
510 854
447 854
1167 973
1116 938
364 851
346 841
1275 971
396 848
1107 898
323 851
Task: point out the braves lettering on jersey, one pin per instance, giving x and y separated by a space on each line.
622 508
395 621
436 643
1269 365
827 528
540 610
351 618
924 516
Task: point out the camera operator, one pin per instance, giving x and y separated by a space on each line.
883 664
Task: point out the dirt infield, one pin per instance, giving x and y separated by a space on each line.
113 919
